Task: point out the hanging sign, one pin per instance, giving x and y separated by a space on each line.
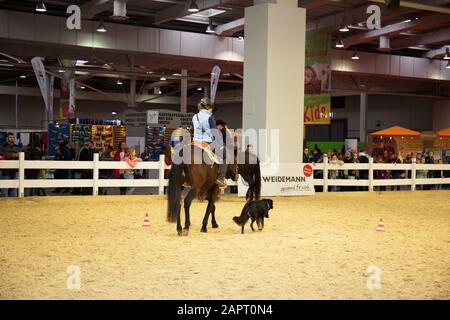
42 79
215 75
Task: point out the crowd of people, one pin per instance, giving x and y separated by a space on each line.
342 156
71 152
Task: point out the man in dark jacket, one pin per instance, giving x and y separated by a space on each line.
10 152
227 149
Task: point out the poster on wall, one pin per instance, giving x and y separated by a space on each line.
170 119
351 145
289 179
318 77
57 133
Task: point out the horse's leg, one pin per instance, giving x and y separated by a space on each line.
179 228
260 223
213 217
187 205
206 218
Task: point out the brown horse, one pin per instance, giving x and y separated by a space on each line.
201 177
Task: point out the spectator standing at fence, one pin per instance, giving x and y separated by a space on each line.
87 154
120 156
11 152
147 154
421 174
363 157
306 156
334 174
354 174
431 173
132 160
34 153
380 174
107 155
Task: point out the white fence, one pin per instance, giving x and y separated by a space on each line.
371 167
95 183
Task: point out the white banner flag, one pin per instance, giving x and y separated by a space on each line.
72 88
215 75
42 79
50 98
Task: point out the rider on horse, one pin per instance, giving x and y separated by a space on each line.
203 124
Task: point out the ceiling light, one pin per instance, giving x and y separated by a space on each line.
339 43
40 7
176 74
119 82
163 78
355 55
210 28
150 72
447 54
101 27
199 89
344 27
23 77
82 87
193 7
60 71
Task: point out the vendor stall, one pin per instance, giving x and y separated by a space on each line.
397 140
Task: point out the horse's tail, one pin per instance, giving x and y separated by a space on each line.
257 180
174 192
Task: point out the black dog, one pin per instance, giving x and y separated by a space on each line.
256 210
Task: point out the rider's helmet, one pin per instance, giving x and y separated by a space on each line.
206 103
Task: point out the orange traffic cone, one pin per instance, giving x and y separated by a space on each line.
146 221
380 226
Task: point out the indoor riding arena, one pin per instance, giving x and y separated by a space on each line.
188 152
317 247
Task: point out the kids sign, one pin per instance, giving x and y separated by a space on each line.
283 179
318 77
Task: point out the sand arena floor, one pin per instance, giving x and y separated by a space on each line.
312 248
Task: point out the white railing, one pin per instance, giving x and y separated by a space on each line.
372 182
95 183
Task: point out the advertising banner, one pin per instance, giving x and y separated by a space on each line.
170 119
289 179
42 79
318 77
215 75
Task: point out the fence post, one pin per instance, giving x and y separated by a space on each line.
371 174
413 174
95 175
21 175
325 172
162 163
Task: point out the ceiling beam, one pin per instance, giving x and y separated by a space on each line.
419 6
312 4
352 17
438 36
228 29
432 54
181 10
366 37
93 7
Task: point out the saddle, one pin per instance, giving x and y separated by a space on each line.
205 147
